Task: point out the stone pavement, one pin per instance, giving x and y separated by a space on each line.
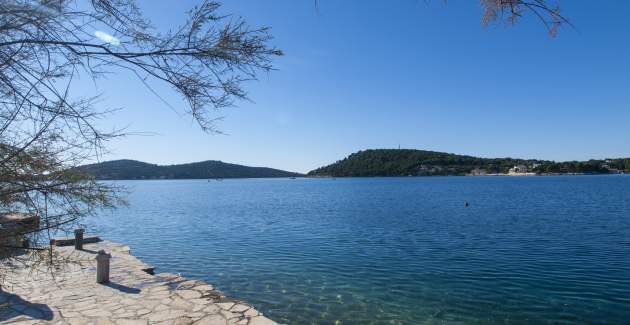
132 297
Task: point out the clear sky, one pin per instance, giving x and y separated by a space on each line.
379 74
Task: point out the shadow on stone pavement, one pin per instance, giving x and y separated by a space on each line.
13 307
122 288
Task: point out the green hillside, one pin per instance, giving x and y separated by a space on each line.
406 162
132 169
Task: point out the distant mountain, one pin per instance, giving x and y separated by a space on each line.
408 162
133 169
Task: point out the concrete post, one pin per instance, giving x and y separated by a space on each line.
78 238
102 266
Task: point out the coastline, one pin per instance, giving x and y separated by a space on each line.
472 175
134 295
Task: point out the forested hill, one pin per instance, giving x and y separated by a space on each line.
132 169
406 162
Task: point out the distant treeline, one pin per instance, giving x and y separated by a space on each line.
132 169
406 162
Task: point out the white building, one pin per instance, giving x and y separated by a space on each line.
518 169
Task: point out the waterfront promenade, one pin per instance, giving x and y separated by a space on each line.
133 296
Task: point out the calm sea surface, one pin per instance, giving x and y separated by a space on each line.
528 250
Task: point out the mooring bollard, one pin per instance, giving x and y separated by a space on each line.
78 238
102 266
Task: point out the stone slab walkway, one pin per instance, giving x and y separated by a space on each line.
132 296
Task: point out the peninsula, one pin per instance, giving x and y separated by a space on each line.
133 169
410 162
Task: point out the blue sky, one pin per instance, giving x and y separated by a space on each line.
379 74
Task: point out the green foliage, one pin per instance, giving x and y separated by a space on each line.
408 162
132 169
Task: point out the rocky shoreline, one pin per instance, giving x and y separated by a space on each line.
133 296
